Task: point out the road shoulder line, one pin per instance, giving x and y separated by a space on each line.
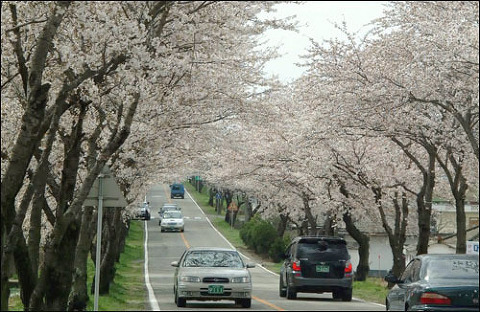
151 295
221 235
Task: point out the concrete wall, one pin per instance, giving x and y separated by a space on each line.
381 257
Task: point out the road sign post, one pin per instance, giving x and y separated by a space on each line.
99 240
104 193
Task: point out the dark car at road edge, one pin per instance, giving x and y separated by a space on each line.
317 264
436 282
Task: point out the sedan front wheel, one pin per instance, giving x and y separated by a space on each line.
181 302
246 303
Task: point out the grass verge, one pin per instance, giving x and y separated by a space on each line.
127 291
372 290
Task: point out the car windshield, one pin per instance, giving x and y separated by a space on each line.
452 269
169 208
213 259
172 215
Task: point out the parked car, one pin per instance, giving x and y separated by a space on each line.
436 282
177 190
167 207
212 273
172 221
317 264
143 212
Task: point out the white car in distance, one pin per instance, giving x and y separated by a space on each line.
172 221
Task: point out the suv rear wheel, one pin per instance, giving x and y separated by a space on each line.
291 293
282 290
347 294
337 294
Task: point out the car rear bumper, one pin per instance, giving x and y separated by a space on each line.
423 307
314 285
172 228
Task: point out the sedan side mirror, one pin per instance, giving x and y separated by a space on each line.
392 278
174 264
250 265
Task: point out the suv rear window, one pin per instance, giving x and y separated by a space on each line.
322 250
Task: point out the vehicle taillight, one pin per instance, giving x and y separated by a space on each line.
296 266
433 298
348 267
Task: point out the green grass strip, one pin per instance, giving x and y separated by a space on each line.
127 291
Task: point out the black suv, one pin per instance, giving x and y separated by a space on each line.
317 264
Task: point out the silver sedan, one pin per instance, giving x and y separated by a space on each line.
211 273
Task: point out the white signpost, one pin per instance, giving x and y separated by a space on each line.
104 192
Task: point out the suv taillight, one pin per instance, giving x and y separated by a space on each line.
348 267
296 266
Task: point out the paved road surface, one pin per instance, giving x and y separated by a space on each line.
163 248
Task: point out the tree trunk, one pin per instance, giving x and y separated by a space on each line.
227 194
363 241
248 211
35 228
59 270
425 195
312 221
78 297
328 228
458 186
397 236
211 196
282 225
461 217
107 262
27 141
9 245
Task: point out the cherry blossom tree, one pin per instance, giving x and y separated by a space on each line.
87 75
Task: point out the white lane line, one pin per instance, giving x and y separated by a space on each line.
151 296
261 266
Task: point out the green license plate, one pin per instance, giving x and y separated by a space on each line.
215 289
322 268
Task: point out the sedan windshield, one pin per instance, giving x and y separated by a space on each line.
213 259
172 215
452 269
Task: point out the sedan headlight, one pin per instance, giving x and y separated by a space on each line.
190 279
241 279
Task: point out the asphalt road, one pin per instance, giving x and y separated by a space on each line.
163 248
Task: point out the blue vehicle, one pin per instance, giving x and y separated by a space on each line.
177 190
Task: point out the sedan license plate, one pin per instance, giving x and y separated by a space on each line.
215 289
322 268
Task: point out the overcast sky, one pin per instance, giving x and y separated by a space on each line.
316 20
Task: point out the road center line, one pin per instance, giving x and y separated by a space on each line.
185 240
271 305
